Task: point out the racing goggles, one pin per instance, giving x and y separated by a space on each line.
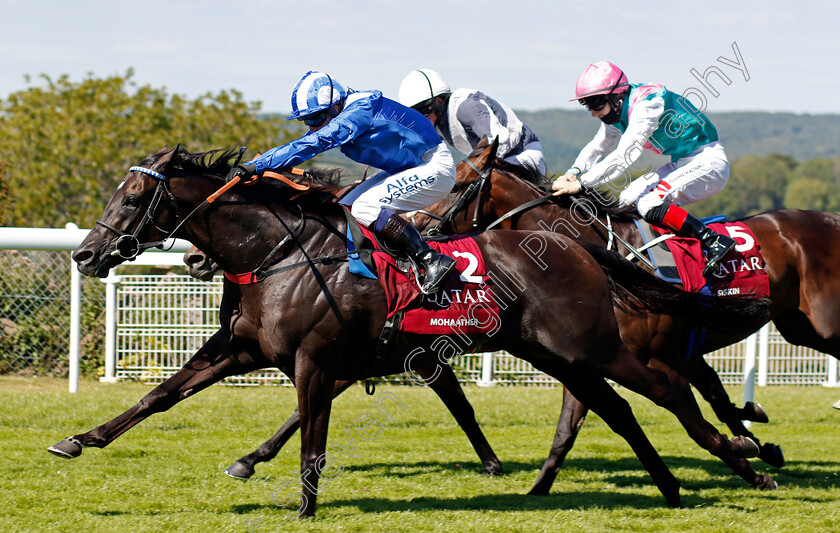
595 103
425 107
315 119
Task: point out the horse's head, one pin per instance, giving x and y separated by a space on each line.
199 265
465 203
174 192
138 210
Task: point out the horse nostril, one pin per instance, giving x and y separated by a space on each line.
82 256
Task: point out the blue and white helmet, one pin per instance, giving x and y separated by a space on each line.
315 92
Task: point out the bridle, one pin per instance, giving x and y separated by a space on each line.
128 246
471 192
474 190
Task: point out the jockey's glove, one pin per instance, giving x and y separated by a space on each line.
243 171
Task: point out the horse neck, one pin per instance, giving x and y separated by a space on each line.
239 234
510 192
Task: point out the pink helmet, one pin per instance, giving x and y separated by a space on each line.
600 78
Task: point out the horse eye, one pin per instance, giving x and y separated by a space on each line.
454 188
132 201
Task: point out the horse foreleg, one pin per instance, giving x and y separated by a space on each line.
213 362
568 427
655 385
314 389
243 468
597 394
449 390
707 382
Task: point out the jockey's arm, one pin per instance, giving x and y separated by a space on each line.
643 121
353 121
606 138
476 114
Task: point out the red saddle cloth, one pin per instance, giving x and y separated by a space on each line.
740 273
464 303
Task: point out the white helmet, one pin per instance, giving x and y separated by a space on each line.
421 85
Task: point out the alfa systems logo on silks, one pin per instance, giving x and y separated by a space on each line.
465 302
402 187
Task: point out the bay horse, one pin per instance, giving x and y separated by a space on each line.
310 317
801 250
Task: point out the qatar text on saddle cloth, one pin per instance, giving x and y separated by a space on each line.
464 303
740 273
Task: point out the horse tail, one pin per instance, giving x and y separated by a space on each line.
635 290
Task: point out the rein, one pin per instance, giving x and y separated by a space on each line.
128 246
475 189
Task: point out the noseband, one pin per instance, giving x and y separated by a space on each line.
128 246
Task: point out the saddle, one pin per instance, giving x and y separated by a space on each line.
680 260
465 303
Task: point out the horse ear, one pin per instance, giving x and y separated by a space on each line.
163 160
494 147
489 153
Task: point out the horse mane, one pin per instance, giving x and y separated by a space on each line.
616 212
216 164
531 175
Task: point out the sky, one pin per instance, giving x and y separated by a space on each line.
782 56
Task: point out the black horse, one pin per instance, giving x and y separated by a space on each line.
445 384
318 323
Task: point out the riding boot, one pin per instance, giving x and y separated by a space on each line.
714 245
406 237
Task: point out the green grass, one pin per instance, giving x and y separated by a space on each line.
419 474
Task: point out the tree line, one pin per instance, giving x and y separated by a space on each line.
776 181
65 145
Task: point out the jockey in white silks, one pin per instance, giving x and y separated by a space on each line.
464 117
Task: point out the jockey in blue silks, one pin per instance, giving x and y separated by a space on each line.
417 169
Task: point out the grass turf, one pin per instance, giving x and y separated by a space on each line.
419 473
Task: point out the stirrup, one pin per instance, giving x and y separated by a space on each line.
720 246
431 286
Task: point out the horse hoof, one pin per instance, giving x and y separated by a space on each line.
239 470
755 413
672 497
767 483
491 468
540 488
772 455
745 447
67 448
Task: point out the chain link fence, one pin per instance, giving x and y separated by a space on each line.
35 314
163 319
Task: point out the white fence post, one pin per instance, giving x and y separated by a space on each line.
75 321
763 354
486 371
832 372
749 370
110 327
